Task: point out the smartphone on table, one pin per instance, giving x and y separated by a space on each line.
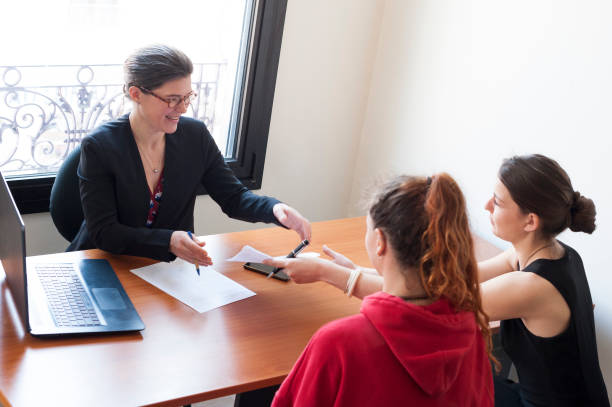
265 269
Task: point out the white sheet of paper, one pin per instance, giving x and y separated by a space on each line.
308 254
203 293
249 254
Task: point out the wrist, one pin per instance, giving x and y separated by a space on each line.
352 281
335 275
172 244
320 271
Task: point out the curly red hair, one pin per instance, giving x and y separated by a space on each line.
426 222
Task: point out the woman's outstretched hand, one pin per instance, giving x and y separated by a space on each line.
309 270
293 220
182 246
301 270
338 258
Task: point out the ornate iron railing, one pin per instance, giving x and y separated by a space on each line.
45 111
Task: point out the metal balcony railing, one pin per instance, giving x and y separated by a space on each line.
46 110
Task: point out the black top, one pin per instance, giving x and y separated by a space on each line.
115 194
562 370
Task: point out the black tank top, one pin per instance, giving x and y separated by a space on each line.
562 370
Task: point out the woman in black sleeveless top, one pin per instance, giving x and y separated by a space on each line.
539 289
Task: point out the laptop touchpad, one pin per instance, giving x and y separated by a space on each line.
108 298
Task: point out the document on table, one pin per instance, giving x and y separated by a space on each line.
203 293
249 254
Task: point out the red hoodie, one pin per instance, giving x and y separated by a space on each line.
393 353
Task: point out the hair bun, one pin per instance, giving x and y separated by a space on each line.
582 213
575 202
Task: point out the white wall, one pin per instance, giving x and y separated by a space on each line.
457 86
319 104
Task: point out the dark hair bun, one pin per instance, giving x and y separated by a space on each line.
582 214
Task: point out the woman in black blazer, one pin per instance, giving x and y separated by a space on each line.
139 174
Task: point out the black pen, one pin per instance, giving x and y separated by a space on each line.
291 255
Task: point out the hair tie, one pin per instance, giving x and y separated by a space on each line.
429 179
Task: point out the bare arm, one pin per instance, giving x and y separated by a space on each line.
508 296
528 296
307 270
495 266
338 276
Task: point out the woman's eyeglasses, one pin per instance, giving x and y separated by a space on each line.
172 101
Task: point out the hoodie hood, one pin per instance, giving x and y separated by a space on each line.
432 353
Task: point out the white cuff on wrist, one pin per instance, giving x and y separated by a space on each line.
352 281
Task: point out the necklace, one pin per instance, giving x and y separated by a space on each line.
414 297
537 250
154 168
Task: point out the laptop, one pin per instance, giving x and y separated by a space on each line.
60 298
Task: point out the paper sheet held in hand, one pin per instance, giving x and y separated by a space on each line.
249 254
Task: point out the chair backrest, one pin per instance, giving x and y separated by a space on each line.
65 201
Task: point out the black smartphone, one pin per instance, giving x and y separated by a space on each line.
265 269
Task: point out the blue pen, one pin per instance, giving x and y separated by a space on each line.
197 265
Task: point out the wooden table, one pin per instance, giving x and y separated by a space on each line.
183 356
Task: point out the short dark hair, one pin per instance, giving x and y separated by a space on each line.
539 185
152 66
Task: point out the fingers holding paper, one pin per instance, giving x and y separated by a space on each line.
182 246
292 219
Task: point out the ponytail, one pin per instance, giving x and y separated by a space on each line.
425 220
448 267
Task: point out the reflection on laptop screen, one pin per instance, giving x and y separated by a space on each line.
12 249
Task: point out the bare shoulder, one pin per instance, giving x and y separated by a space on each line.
516 294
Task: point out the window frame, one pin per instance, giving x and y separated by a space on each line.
32 194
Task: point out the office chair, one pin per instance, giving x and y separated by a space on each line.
65 201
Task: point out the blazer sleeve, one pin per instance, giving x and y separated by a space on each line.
100 205
235 200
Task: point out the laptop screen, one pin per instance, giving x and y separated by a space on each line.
12 249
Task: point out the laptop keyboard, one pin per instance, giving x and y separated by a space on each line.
68 301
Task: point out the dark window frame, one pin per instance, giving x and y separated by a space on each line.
32 194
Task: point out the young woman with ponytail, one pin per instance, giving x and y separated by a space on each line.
538 287
424 340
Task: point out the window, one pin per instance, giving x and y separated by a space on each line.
70 79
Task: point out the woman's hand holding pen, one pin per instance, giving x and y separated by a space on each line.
309 270
301 270
182 246
293 220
